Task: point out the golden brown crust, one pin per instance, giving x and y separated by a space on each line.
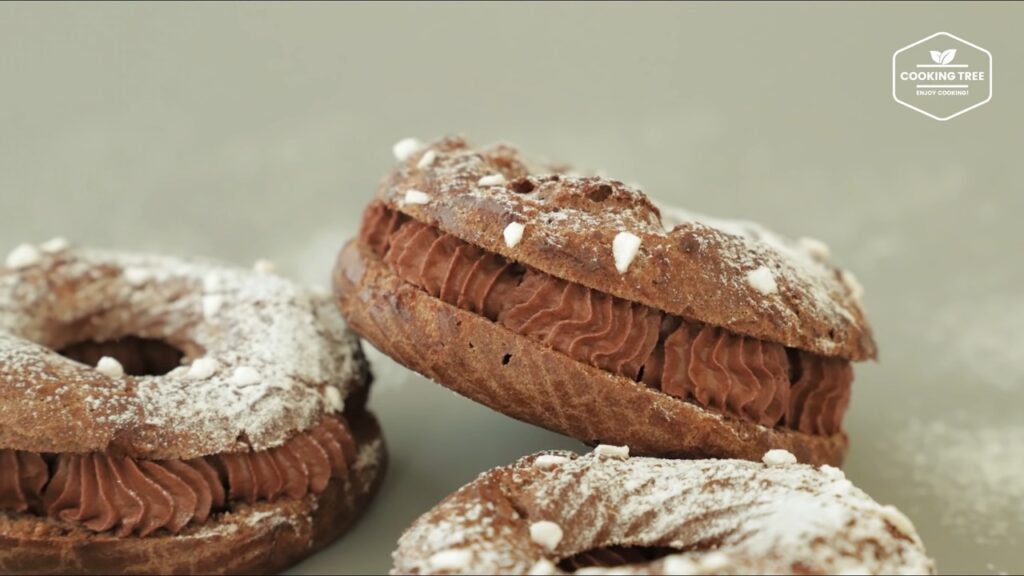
264 538
696 271
528 381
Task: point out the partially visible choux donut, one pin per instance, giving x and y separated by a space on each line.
607 513
160 415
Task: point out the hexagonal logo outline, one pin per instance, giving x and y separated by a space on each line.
925 112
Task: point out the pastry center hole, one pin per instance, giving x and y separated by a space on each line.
138 356
612 556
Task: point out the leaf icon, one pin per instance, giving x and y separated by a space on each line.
936 56
947 56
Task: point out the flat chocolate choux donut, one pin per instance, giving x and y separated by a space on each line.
606 513
160 415
574 304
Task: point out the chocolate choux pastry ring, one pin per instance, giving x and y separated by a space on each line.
160 416
607 513
573 303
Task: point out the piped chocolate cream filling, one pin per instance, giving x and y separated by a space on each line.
727 373
103 492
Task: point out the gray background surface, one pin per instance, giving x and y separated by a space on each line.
260 131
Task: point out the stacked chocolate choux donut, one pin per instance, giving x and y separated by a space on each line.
570 303
161 415
709 362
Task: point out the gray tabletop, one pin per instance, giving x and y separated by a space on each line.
260 131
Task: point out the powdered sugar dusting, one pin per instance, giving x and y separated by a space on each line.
804 262
463 526
981 339
260 363
809 302
763 519
975 471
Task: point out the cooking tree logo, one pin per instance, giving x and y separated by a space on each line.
942 76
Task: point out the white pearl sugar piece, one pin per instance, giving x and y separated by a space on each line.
449 560
23 256
624 248
427 159
416 197
245 376
110 367
778 457
264 266
609 451
544 567
136 276
405 148
546 533
714 562
55 245
492 180
333 399
900 521
853 285
816 248
203 368
546 461
832 472
679 565
762 280
212 304
513 234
